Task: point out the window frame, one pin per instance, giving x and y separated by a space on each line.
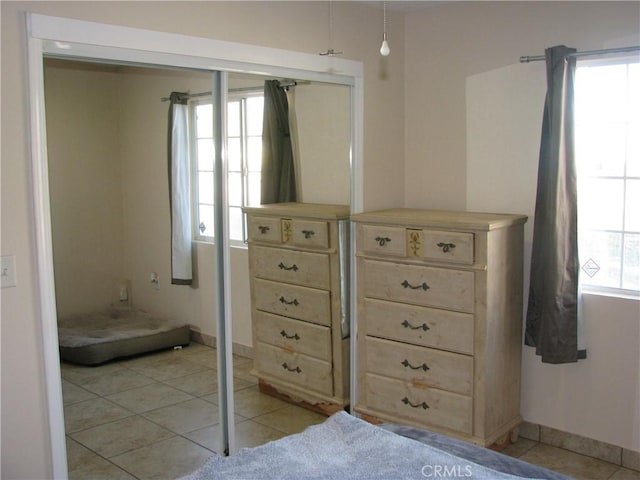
194 102
240 95
625 177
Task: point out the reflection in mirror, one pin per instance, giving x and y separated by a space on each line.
320 128
107 156
107 149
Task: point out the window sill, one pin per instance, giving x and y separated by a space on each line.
610 292
233 244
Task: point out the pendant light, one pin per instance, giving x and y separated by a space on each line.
384 48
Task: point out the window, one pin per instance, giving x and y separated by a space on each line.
244 142
607 116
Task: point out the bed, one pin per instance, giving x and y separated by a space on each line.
95 338
347 448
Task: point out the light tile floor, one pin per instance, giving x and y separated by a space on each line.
156 417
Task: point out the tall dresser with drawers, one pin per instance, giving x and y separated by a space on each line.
440 319
298 263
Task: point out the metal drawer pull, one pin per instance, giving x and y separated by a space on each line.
285 335
282 266
263 229
406 324
292 302
446 246
406 363
308 233
286 367
406 401
424 286
382 241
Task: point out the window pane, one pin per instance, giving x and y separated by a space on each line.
235 189
255 107
600 258
611 84
631 269
600 203
632 206
205 187
235 154
205 220
233 119
254 154
253 180
205 154
633 151
204 119
235 224
600 150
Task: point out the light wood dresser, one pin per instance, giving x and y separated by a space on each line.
440 320
299 268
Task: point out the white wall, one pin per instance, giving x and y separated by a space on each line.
598 397
85 185
448 43
300 26
324 128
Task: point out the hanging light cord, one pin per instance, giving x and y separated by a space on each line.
330 52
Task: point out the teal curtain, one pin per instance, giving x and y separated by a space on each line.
278 176
552 313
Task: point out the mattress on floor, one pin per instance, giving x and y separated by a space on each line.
94 338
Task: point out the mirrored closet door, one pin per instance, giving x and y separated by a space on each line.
120 193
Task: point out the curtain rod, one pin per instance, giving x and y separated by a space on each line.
286 85
536 58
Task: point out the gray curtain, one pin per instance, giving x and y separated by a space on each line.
552 313
179 190
278 178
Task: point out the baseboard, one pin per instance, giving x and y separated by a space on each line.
210 341
582 445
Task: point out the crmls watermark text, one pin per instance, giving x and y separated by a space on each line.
447 471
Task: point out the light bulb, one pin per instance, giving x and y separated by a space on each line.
384 49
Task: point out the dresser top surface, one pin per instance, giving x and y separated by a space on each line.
309 210
440 218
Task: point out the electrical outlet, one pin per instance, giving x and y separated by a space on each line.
8 271
155 280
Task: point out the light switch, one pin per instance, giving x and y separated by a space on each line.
8 271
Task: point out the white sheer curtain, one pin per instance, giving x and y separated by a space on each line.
180 190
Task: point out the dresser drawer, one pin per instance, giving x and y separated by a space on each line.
428 406
296 368
454 247
293 335
382 240
305 233
292 301
429 286
420 366
291 266
264 229
422 326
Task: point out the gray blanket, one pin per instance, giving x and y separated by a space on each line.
343 447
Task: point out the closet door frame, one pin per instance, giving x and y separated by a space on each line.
57 37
